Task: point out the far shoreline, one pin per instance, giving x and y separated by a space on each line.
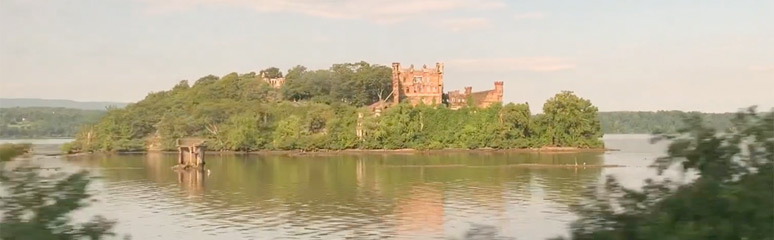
322 152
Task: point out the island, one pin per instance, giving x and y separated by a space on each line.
350 106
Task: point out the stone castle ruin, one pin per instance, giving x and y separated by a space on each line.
425 85
421 85
482 99
417 85
273 82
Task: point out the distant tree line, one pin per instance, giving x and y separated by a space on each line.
44 122
658 122
27 122
320 109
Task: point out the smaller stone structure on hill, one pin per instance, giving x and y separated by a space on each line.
273 82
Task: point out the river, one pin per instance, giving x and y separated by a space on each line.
358 196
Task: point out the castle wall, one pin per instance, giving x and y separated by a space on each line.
493 97
458 99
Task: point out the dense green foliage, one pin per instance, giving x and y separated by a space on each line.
44 122
732 198
356 84
570 121
38 206
320 110
657 122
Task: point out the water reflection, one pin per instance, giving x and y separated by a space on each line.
420 211
191 180
406 196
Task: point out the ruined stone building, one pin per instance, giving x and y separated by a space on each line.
457 99
425 85
273 82
417 85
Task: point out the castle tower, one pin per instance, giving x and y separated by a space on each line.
499 89
439 68
396 83
423 85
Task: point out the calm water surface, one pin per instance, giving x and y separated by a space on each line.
357 196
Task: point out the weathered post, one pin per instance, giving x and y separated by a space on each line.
191 157
202 150
179 155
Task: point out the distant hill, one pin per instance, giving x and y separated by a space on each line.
56 103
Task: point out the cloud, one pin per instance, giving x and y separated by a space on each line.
761 68
377 11
532 64
462 24
531 15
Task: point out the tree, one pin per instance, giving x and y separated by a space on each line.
206 80
242 132
38 207
730 199
182 85
356 84
571 121
287 133
517 120
518 124
271 72
360 83
295 72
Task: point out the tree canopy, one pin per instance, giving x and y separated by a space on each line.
356 84
570 121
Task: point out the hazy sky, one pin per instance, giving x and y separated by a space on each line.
706 55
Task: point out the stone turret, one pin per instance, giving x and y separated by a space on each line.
499 88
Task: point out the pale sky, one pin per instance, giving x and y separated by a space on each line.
713 56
